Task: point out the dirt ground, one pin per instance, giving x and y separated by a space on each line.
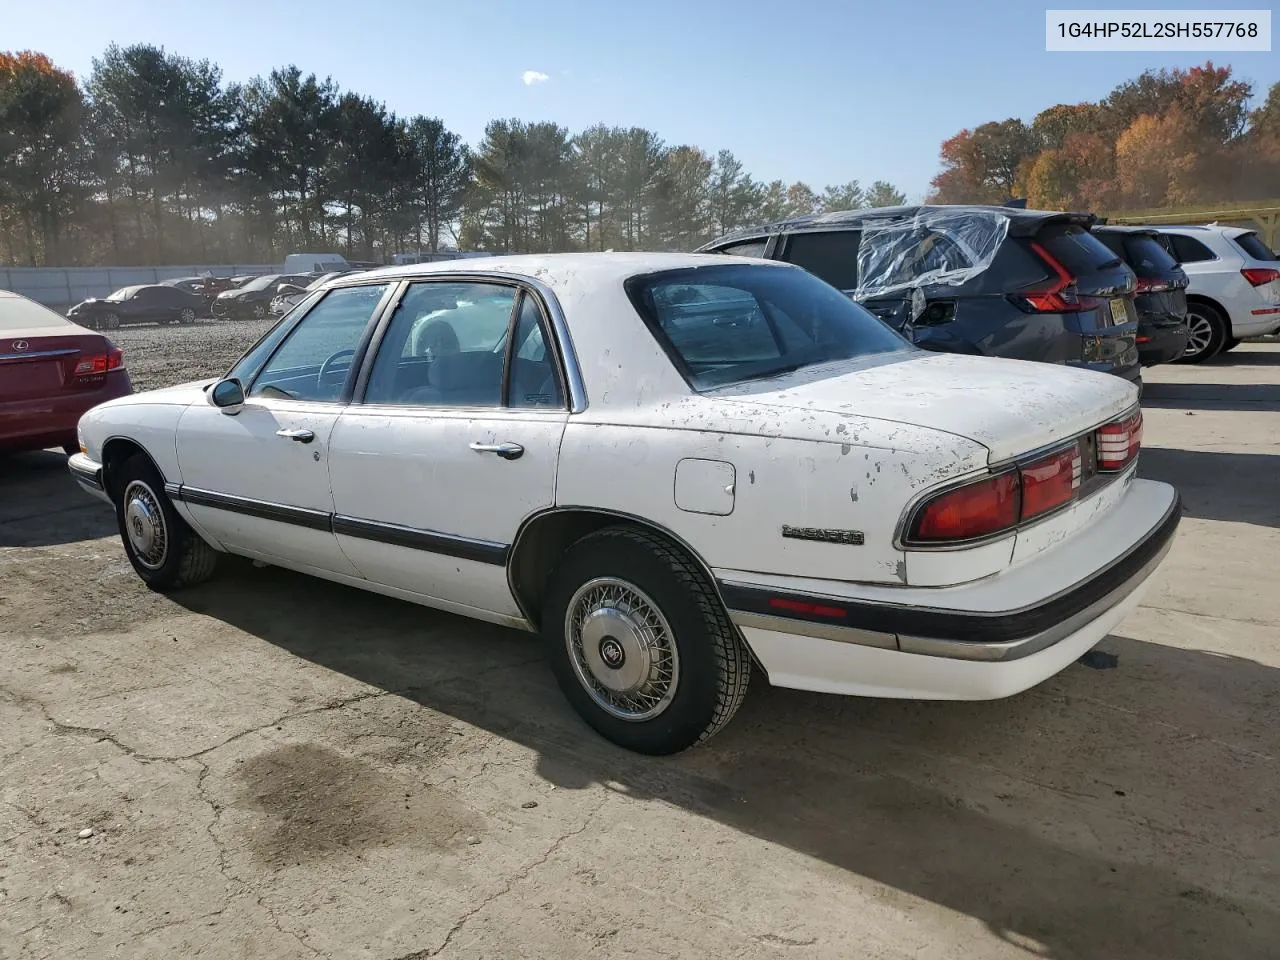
275 767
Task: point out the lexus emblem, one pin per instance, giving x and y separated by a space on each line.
19 345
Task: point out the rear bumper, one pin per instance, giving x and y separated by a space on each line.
47 422
1257 323
904 642
88 474
1165 344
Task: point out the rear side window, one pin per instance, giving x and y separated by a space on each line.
1253 246
751 248
1189 250
831 256
1076 248
1147 256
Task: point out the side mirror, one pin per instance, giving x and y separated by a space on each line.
228 396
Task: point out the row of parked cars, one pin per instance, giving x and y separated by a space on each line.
185 299
1038 285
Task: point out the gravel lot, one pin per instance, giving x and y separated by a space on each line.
276 767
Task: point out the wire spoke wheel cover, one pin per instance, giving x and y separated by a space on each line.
1199 333
622 649
145 525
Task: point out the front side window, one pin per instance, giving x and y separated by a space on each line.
749 248
445 346
313 361
724 325
831 255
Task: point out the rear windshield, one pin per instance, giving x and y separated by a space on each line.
1142 251
19 312
723 325
124 293
1252 245
1076 248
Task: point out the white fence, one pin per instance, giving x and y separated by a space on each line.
63 286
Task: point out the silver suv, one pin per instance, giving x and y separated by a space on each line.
1234 288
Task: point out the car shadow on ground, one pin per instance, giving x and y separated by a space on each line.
858 784
1239 487
42 505
1212 396
1246 358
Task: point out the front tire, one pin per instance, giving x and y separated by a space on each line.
109 321
1206 333
259 311
164 551
640 643
187 316
1231 344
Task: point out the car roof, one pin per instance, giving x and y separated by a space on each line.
1228 229
1125 228
557 270
852 218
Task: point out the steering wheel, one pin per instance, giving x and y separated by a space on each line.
330 363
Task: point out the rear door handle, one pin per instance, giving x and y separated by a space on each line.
301 436
507 451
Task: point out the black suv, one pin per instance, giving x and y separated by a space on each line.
1162 291
994 281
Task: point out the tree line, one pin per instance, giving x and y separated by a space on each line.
154 159
1167 138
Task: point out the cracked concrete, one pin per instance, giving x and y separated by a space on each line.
278 768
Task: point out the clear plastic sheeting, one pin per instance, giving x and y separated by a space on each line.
933 248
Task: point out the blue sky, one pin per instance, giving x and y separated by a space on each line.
817 90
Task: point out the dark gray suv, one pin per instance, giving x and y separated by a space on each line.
994 281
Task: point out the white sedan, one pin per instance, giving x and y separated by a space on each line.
671 467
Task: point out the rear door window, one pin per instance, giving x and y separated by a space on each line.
1076 248
831 256
1253 246
1189 249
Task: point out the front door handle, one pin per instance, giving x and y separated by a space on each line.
507 451
301 436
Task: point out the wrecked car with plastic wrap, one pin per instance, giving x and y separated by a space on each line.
674 468
989 281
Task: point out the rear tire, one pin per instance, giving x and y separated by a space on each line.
164 551
1207 332
109 321
640 643
1231 344
259 311
187 316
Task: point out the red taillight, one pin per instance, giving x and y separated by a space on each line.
1050 482
98 364
1060 296
1119 442
996 504
1147 285
1257 276
966 513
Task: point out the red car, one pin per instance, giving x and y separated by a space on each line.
51 372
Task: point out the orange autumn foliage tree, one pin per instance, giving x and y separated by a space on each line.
1167 137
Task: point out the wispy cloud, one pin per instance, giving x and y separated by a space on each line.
530 77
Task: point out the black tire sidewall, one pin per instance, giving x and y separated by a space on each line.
168 573
698 688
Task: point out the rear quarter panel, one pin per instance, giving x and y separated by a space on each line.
631 469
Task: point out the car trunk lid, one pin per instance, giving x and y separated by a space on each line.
49 361
1011 407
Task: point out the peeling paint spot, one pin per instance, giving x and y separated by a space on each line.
900 570
752 475
844 449
853 493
